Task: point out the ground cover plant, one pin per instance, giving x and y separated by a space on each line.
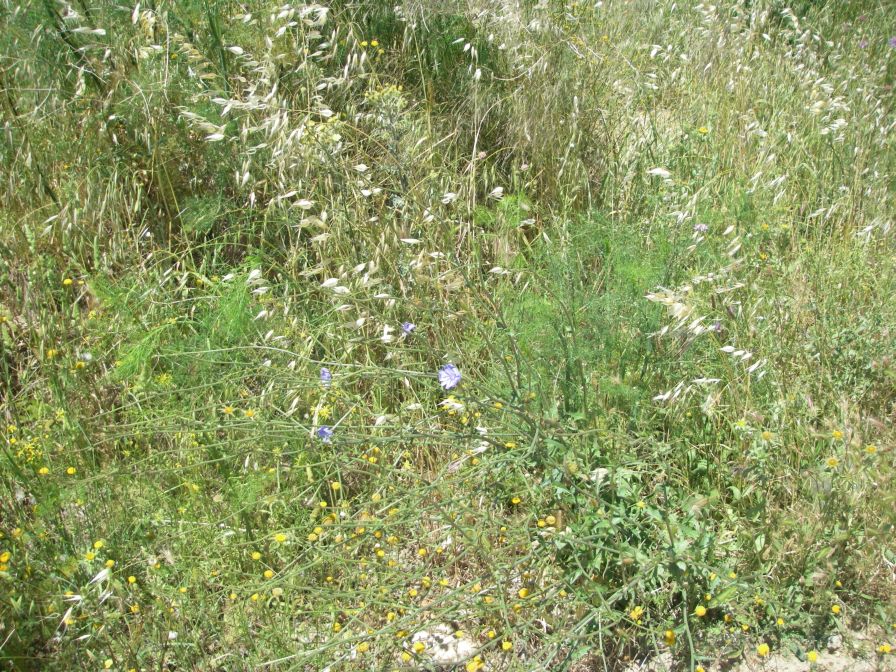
446 334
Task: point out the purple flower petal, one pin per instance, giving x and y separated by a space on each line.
408 327
325 434
449 377
326 377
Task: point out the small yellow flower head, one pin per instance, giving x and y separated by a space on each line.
256 555
421 552
699 668
413 592
374 43
703 130
523 593
670 638
68 282
832 462
636 614
132 579
228 410
363 647
249 413
108 663
836 435
835 608
280 538
767 436
419 647
98 544
474 665
700 611
89 555
884 649
268 574
763 650
506 645
71 471
336 486
812 656
780 621
110 563
43 471
871 449
135 608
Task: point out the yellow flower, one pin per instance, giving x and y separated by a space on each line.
669 636
523 593
703 130
837 435
699 668
884 649
780 621
763 650
636 613
256 555
135 608
419 647
363 647
280 538
89 555
421 552
507 645
871 449
835 608
132 579
832 462
108 663
336 486
71 471
43 471
700 610
4 557
99 544
268 573
228 410
374 43
110 563
68 282
475 665
812 656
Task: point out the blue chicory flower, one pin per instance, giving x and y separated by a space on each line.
449 376
326 377
892 42
325 434
408 327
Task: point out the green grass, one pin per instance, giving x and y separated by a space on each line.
655 239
